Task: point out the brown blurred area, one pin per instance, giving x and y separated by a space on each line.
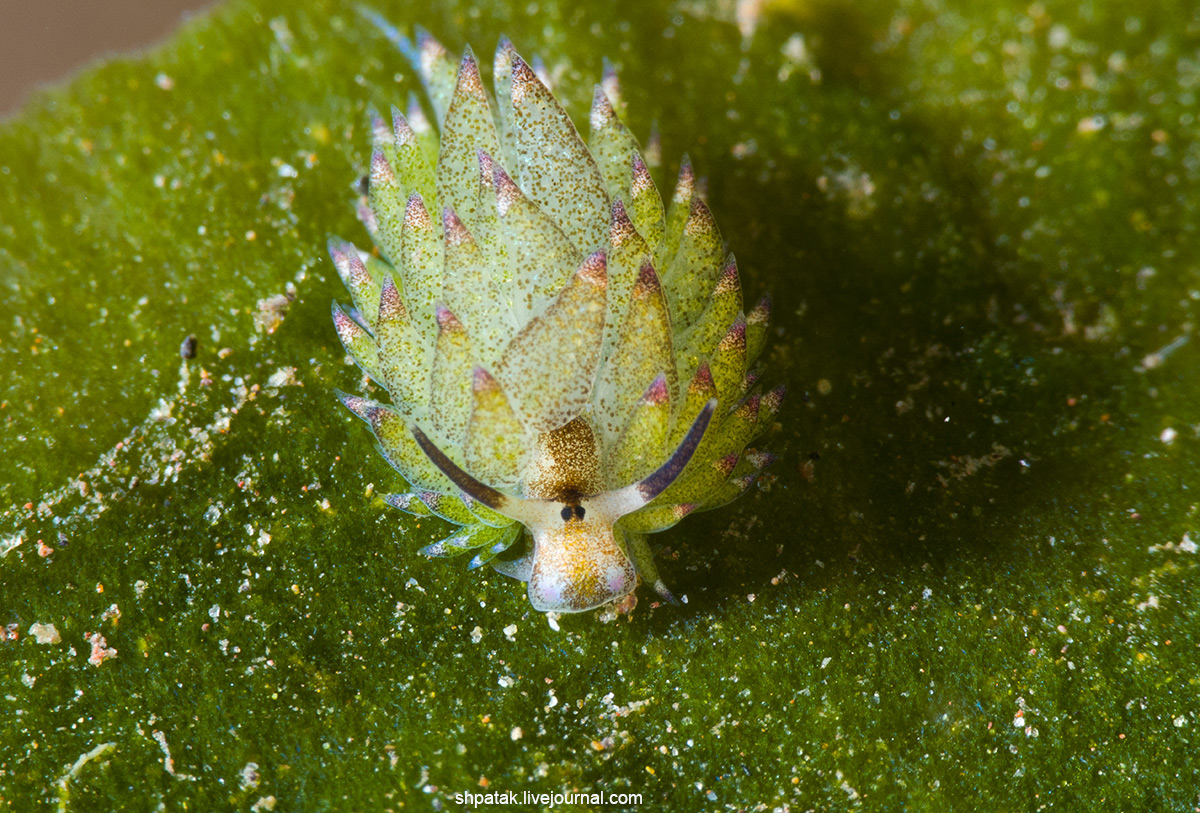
45 41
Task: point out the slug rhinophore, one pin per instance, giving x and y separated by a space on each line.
569 362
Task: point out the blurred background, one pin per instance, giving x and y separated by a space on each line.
46 41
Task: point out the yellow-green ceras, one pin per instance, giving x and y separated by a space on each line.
569 361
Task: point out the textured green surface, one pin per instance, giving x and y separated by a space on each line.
979 226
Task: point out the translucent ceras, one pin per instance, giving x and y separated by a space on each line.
569 361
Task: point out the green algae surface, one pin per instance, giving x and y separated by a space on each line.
972 577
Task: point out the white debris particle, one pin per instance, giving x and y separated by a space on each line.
1168 435
1150 603
287 171
45 633
113 613
249 778
162 412
553 699
100 649
506 681
10 543
263 803
927 593
28 680
825 662
1187 545
214 612
283 377
510 632
516 733
477 635
139 587
1180 721
168 763
164 81
552 620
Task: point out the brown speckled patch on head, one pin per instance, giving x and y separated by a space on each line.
566 465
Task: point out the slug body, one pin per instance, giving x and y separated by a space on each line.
569 362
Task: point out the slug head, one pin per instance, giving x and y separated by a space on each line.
577 563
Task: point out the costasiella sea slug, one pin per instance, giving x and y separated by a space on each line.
569 362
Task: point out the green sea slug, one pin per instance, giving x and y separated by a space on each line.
570 364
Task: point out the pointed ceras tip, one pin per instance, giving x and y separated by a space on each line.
594 270
338 252
748 409
602 114
366 216
502 60
469 80
429 50
702 381
750 380
391 304
621 228
726 464
761 313
642 182
774 399
416 216
402 131
507 192
759 460
611 82
700 219
742 484
483 382
401 501
355 403
356 270
447 322
734 337
456 231
686 184
657 392
381 169
524 80
727 283
647 283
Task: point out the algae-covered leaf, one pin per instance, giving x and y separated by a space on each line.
969 574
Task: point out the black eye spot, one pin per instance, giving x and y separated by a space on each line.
566 513
579 512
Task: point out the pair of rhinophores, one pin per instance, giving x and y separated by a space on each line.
569 361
